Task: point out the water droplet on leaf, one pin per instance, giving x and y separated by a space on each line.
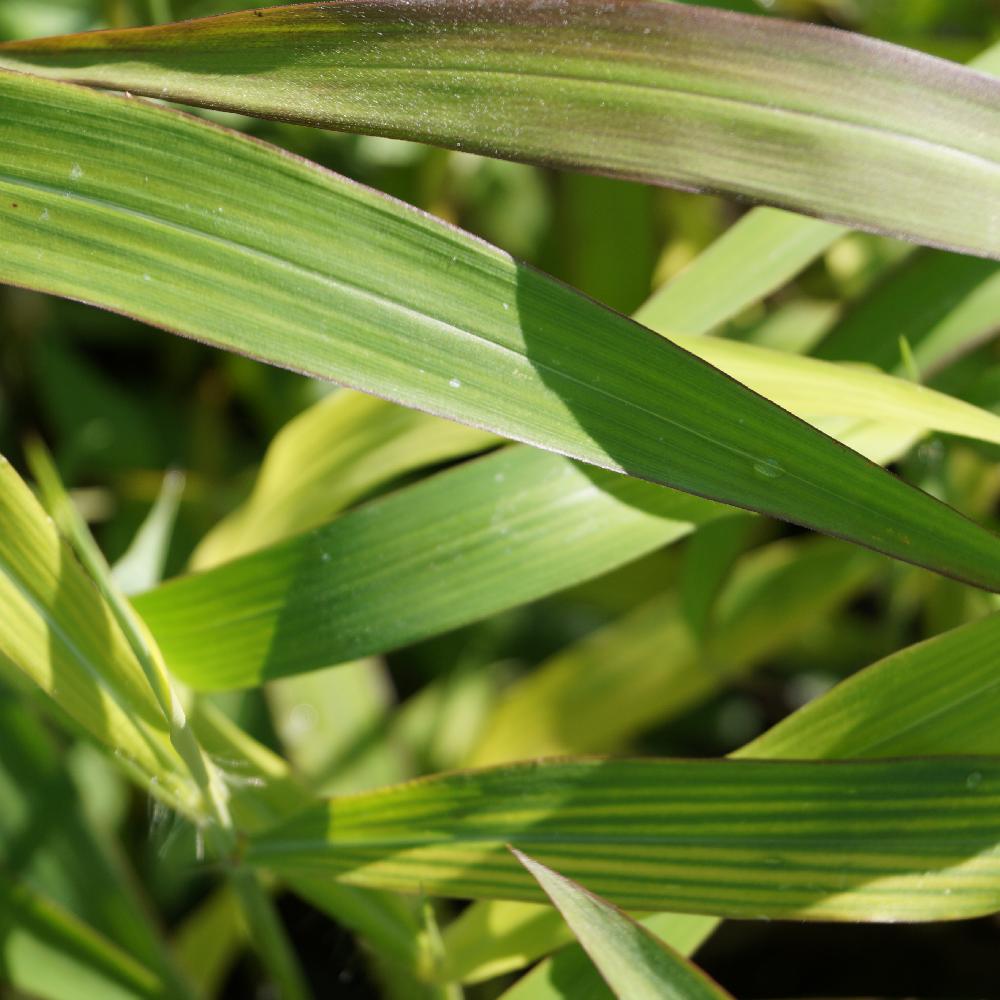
768 468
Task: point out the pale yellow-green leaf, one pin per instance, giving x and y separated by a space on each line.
57 631
326 458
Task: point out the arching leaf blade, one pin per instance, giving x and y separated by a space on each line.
818 121
154 214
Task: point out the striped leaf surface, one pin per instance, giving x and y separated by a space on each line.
824 122
152 213
900 840
938 696
941 696
511 526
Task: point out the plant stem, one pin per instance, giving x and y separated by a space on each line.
268 933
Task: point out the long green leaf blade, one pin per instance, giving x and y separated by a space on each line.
940 696
464 524
327 457
751 259
58 633
874 841
637 965
149 212
827 123
489 535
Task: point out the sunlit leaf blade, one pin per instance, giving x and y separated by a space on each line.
826 123
533 512
326 458
490 938
817 391
333 279
141 566
637 965
511 527
939 696
749 261
496 936
904 840
648 666
57 632
492 534
569 972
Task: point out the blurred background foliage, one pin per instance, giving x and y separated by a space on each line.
119 404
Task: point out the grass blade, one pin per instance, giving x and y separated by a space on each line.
58 633
141 566
939 696
48 952
822 122
822 393
489 535
637 965
874 841
569 972
471 521
325 459
750 260
426 315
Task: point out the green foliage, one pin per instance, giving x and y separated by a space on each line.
300 686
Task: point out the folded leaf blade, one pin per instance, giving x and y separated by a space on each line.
59 635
